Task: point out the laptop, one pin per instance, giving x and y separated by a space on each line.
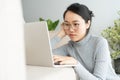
37 45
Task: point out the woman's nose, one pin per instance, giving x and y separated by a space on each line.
71 29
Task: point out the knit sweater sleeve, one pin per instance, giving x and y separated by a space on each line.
102 59
60 50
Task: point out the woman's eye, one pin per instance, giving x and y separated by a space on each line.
67 24
76 24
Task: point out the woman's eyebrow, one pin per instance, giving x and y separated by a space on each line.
65 21
72 21
76 21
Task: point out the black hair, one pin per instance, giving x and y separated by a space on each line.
81 10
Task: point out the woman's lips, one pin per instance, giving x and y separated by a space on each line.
72 35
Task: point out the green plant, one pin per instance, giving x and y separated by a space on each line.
51 24
112 34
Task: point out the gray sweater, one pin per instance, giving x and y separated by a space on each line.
92 53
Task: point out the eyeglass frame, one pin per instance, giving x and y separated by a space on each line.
68 26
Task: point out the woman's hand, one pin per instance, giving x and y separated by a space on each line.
64 60
61 33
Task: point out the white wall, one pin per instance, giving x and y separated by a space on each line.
105 11
12 59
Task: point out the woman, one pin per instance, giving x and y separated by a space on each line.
90 53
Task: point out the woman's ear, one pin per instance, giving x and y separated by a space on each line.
88 24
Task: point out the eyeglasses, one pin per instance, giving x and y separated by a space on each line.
67 26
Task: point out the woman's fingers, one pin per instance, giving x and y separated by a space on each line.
57 58
64 60
69 61
62 32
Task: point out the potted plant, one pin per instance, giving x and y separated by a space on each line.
51 24
112 34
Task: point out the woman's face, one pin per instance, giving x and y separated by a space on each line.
75 26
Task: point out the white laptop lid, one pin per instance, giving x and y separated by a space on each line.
37 44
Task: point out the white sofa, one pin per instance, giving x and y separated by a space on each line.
48 73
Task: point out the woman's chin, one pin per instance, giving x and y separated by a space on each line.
73 39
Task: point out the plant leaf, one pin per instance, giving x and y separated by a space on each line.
41 19
49 22
55 24
112 34
51 25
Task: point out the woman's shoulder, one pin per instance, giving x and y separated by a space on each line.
98 38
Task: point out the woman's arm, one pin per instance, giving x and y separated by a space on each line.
60 50
61 34
102 60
